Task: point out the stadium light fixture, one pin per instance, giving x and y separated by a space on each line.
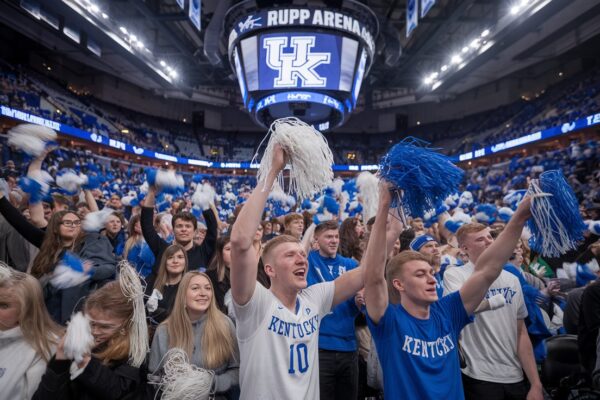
485 33
444 68
456 59
123 29
133 38
465 49
94 8
475 43
105 15
162 63
427 80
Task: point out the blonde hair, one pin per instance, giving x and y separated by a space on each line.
218 344
466 229
394 266
276 241
39 330
162 275
134 237
111 300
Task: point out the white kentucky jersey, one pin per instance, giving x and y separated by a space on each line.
279 349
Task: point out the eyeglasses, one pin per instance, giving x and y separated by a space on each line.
71 223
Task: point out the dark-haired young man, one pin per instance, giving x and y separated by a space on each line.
184 228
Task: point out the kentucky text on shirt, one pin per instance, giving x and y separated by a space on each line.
507 292
284 328
421 348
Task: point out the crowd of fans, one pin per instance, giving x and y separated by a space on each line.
225 262
184 251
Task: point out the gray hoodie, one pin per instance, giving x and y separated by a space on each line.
226 376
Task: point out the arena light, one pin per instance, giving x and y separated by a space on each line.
105 15
456 59
123 29
444 68
465 49
162 63
427 80
94 8
485 33
475 43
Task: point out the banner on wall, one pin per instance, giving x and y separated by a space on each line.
412 16
426 6
194 13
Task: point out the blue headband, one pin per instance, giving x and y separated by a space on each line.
419 241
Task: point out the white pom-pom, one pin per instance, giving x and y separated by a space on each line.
460 216
277 194
132 288
183 381
95 221
78 338
203 196
70 181
126 200
168 179
152 303
593 226
310 158
144 187
30 138
367 185
65 277
337 185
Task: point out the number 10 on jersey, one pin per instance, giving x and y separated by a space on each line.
299 358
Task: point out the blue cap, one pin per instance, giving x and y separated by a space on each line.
419 241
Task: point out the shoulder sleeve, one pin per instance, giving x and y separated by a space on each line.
384 329
210 241
150 235
322 295
453 280
250 315
32 234
454 309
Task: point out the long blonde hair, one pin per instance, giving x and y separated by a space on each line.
162 274
38 328
111 300
218 343
134 237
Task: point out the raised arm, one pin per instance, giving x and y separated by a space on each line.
36 210
376 294
147 222
307 238
90 200
490 263
31 233
243 255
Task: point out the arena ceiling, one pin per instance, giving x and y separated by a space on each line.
402 64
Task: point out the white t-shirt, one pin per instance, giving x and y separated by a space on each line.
490 343
279 350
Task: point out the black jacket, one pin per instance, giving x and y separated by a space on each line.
198 256
96 382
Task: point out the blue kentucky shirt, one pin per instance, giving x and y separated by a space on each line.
336 332
419 357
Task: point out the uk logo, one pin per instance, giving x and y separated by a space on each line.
297 65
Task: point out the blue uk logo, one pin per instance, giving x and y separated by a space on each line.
297 66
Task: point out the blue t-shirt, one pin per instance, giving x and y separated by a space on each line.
419 357
336 332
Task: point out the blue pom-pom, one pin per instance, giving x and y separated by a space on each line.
331 205
92 183
426 177
584 275
556 226
32 188
306 204
452 225
72 261
151 176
